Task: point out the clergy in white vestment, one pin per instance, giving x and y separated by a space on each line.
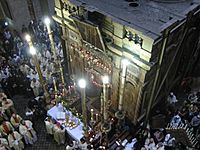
49 125
35 85
8 106
71 146
29 126
15 120
25 129
2 95
34 74
4 144
24 68
59 134
15 141
82 144
47 54
6 128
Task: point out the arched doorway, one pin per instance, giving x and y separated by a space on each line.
130 99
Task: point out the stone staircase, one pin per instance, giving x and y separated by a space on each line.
183 134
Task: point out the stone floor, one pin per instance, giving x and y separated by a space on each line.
44 142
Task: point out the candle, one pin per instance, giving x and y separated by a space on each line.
92 115
54 83
63 92
69 89
97 117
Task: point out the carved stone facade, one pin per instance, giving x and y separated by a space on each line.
19 12
96 42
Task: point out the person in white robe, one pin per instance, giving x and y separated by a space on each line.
4 144
15 120
169 140
71 146
8 106
29 126
15 141
35 85
49 125
24 68
176 121
34 74
172 98
59 134
26 130
6 128
82 144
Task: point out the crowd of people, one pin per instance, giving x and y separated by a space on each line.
14 130
18 75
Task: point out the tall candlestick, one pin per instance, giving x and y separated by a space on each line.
92 115
97 117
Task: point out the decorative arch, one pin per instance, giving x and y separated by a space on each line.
131 91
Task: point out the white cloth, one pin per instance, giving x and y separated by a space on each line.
76 133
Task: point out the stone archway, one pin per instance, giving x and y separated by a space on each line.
130 99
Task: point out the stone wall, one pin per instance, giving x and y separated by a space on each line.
20 13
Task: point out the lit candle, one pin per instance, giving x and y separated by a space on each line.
92 115
69 89
97 117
